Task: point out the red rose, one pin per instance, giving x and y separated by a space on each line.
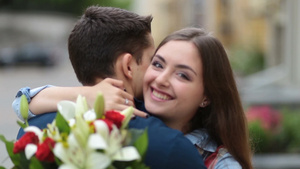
44 150
27 138
116 117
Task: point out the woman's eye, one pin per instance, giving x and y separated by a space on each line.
157 64
184 76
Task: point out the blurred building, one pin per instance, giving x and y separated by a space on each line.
268 26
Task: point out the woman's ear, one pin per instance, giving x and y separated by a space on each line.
127 65
205 102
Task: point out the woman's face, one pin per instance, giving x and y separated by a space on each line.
173 83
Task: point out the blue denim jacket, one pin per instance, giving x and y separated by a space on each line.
202 139
29 93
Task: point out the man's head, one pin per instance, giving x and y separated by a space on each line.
101 36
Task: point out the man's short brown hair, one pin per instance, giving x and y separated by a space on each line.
101 35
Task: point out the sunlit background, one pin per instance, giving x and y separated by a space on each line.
261 37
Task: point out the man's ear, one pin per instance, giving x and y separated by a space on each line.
127 65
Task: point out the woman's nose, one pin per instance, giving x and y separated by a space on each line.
163 79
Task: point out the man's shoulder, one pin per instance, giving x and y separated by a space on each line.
168 144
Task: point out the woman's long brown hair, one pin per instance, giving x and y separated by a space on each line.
224 117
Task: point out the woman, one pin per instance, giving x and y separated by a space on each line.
191 87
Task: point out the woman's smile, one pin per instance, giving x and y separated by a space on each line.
159 96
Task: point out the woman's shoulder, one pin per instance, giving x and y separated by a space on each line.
226 161
216 157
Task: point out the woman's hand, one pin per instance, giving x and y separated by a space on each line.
114 95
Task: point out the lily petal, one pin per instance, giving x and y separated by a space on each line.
30 150
67 166
59 152
89 115
97 160
81 131
97 142
127 154
67 109
102 129
81 106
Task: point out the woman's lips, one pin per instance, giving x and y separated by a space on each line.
160 95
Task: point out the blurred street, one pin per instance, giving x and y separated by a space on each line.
12 78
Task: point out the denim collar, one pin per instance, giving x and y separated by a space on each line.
201 138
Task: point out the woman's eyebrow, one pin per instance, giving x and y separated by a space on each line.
186 67
160 58
178 66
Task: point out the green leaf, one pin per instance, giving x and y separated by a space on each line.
141 143
21 124
62 124
15 158
138 165
99 106
35 164
19 159
2 167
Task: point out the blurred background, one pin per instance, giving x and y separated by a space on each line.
261 37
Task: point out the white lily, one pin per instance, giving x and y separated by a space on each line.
30 150
129 153
75 156
52 131
81 130
102 129
114 142
96 141
66 109
81 106
90 115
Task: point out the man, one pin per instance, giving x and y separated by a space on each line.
115 43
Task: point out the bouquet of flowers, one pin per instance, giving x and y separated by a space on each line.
80 137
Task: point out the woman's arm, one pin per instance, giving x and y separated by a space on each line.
46 99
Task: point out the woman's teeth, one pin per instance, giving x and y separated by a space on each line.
160 95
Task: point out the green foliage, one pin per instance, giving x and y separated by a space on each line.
62 124
245 61
19 160
285 140
290 133
139 139
259 137
67 6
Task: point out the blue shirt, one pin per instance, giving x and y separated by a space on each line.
167 149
